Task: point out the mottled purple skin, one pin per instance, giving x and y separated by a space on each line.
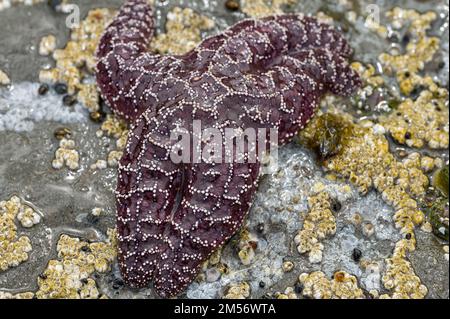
268 73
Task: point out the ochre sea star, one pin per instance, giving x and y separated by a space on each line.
259 74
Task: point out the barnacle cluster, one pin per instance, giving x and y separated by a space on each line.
247 245
28 217
47 45
371 95
369 74
421 120
289 293
70 275
66 155
14 249
342 286
115 128
238 291
400 277
419 123
100 164
263 8
215 257
77 60
184 27
216 268
318 224
213 268
89 96
419 50
365 160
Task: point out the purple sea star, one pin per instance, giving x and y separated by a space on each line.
268 73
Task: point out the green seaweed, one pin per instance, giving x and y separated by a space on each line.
393 104
435 206
440 180
326 141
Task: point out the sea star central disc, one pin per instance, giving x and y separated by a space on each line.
258 74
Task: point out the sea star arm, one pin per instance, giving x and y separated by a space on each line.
130 32
124 40
327 67
287 94
148 183
214 205
171 217
258 43
127 73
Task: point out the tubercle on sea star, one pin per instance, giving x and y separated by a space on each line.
259 74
